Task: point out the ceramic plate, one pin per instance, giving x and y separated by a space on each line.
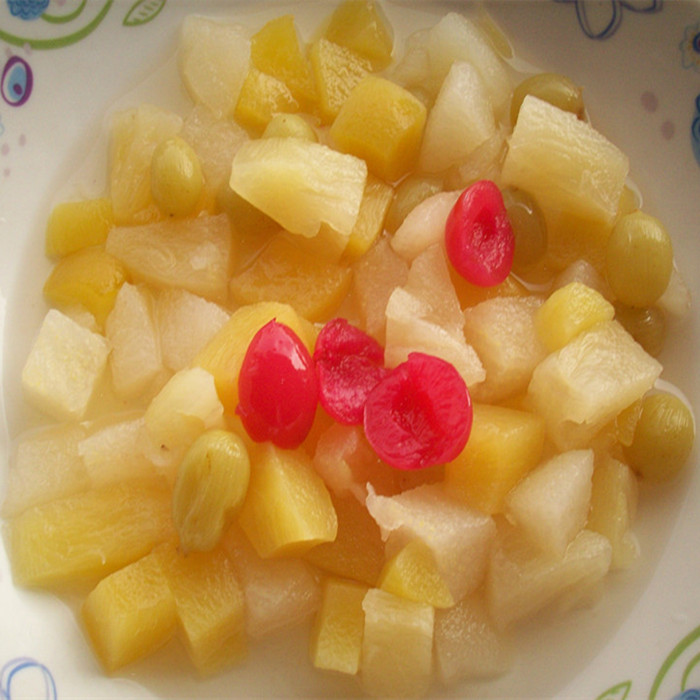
65 64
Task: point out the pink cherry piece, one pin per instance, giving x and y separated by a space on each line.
277 387
420 414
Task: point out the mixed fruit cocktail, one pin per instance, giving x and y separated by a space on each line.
368 336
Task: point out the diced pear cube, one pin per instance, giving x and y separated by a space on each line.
336 71
382 123
261 97
460 120
79 224
413 573
130 613
613 508
503 446
288 508
502 332
45 466
300 184
64 366
213 61
468 645
279 593
135 359
459 537
223 355
523 581
570 310
193 254
581 387
210 607
397 645
550 505
336 637
564 162
90 534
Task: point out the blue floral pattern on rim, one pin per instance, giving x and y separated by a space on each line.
43 685
602 20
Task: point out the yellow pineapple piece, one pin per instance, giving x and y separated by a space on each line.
90 278
277 50
357 552
360 25
223 355
262 96
135 134
90 534
397 645
80 224
288 508
412 573
569 311
130 613
504 445
336 637
336 71
374 207
210 607
382 123
285 273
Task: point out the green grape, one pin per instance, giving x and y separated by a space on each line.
554 88
529 228
289 125
647 325
176 177
409 194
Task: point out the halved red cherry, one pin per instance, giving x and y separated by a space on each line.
277 387
420 414
478 236
349 364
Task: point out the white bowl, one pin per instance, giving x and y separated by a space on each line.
639 63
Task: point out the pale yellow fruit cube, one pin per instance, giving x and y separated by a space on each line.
335 643
64 366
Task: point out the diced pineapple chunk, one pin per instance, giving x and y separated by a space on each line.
564 162
193 254
223 354
262 96
279 593
397 645
522 581
288 508
135 359
90 278
213 60
460 120
370 219
89 534
502 332
336 638
210 607
613 507
581 387
45 466
459 537
550 505
382 123
467 644
283 272
277 50
504 445
360 26
63 367
357 552
336 70
300 184
130 613
79 224
135 134
569 311
413 573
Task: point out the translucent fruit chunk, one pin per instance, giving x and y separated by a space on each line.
382 123
80 224
262 96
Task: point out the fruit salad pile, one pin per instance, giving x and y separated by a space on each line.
367 339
